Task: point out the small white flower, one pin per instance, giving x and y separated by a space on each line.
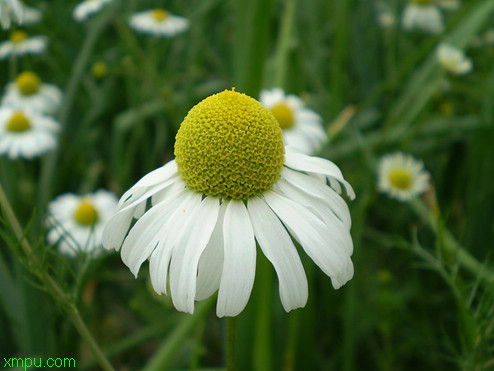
453 59
10 10
232 184
26 134
85 9
76 222
302 128
159 22
31 15
20 44
424 16
401 176
28 92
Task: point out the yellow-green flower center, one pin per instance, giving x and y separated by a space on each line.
28 83
18 123
159 14
18 36
85 213
400 178
99 70
283 114
423 2
230 146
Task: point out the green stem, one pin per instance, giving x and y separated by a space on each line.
283 46
292 337
262 341
231 348
65 302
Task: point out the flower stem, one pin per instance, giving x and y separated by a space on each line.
283 46
231 348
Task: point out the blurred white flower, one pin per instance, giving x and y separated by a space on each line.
76 222
26 134
21 44
31 15
85 9
159 22
453 59
401 176
302 128
449 5
423 15
386 18
10 10
29 92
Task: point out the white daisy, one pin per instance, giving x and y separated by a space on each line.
10 10
159 22
26 134
20 44
31 15
423 15
402 177
28 92
76 222
231 184
85 9
302 128
453 59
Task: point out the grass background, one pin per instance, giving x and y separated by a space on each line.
413 302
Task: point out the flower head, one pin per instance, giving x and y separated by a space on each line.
87 8
159 22
453 59
402 177
76 222
302 128
232 184
29 92
10 10
25 133
423 15
20 43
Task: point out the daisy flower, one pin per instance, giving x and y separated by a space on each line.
402 177
453 59
26 134
87 8
423 15
10 10
159 22
232 184
28 92
302 128
20 44
76 222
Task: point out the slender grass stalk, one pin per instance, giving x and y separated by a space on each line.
283 46
231 341
64 300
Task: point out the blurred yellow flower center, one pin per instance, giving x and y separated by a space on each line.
230 146
18 36
423 2
400 178
18 122
28 83
283 114
159 14
99 70
86 214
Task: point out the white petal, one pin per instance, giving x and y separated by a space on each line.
239 267
280 251
116 229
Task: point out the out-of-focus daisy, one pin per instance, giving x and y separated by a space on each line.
423 15
20 43
31 15
386 19
28 92
85 9
449 5
26 134
302 128
453 59
159 22
76 222
10 10
232 183
401 176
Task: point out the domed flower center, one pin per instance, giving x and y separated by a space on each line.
230 146
28 83
400 178
283 114
18 123
18 36
159 14
85 214
423 2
